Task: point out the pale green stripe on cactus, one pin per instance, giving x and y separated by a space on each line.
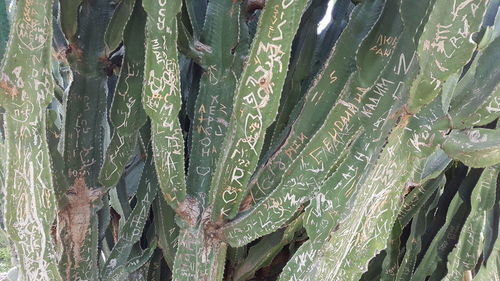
445 46
162 98
127 114
26 88
255 104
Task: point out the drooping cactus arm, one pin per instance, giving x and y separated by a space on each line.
460 206
414 242
26 88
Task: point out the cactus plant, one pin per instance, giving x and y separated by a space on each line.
233 140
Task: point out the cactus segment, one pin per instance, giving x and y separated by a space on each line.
302 66
445 47
127 114
69 18
434 260
255 104
474 147
85 131
476 100
166 229
199 256
214 103
161 97
263 253
116 265
319 100
117 25
26 88
469 246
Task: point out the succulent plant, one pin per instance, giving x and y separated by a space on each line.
236 140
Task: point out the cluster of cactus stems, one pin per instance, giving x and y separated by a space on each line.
198 140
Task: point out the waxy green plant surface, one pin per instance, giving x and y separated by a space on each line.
235 140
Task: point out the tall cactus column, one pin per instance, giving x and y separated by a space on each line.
26 88
84 135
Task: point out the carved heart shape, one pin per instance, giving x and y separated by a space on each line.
229 195
32 35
